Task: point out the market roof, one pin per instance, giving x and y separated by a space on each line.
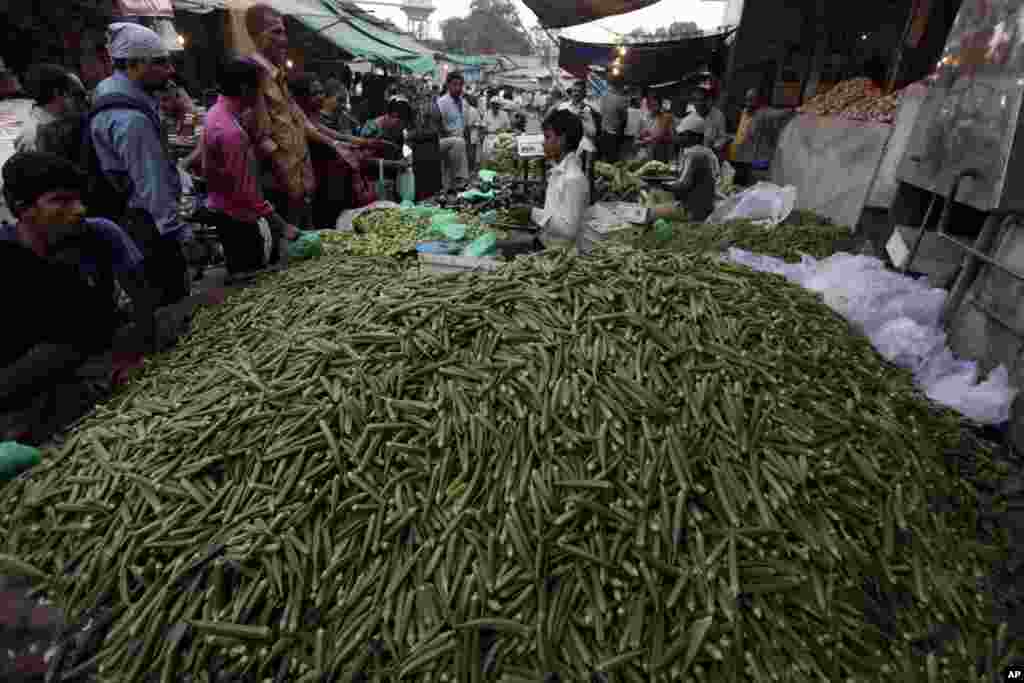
559 14
644 63
351 34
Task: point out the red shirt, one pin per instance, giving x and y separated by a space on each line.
230 165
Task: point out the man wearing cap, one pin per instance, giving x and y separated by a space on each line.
695 189
130 147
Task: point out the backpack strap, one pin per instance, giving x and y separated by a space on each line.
119 101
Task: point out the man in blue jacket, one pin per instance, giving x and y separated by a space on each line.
131 151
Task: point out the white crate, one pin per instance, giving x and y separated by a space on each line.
441 263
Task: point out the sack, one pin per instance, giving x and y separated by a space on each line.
901 316
764 203
70 137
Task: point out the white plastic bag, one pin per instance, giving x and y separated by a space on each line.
902 318
764 203
346 219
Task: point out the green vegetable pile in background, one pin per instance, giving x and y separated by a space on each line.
802 233
505 158
650 464
391 232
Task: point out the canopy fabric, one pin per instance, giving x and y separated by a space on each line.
420 60
559 14
645 63
467 60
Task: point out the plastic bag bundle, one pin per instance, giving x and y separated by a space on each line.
764 203
902 318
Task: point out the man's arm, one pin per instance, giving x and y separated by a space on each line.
155 182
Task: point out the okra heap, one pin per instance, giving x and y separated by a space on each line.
641 467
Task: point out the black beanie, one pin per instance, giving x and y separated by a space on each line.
29 175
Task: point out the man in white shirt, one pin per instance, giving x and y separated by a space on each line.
634 120
57 93
568 190
474 130
579 106
496 120
715 136
453 133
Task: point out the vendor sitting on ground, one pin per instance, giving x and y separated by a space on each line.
249 228
695 189
568 190
61 273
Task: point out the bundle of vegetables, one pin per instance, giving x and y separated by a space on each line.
649 466
802 233
839 97
616 183
654 168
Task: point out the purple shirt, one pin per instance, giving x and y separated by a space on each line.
112 248
230 166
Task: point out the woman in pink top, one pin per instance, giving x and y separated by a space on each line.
249 227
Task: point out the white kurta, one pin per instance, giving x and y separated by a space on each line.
565 204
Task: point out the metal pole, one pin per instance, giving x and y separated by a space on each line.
730 68
972 263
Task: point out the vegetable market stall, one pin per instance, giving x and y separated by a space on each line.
842 149
355 471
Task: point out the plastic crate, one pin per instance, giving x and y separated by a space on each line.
440 263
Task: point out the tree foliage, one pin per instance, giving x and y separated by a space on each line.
492 26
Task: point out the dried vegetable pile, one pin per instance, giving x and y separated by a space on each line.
802 233
642 467
856 99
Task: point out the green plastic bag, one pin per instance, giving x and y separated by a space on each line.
487 176
15 458
663 230
306 247
407 186
477 194
454 231
485 245
442 218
